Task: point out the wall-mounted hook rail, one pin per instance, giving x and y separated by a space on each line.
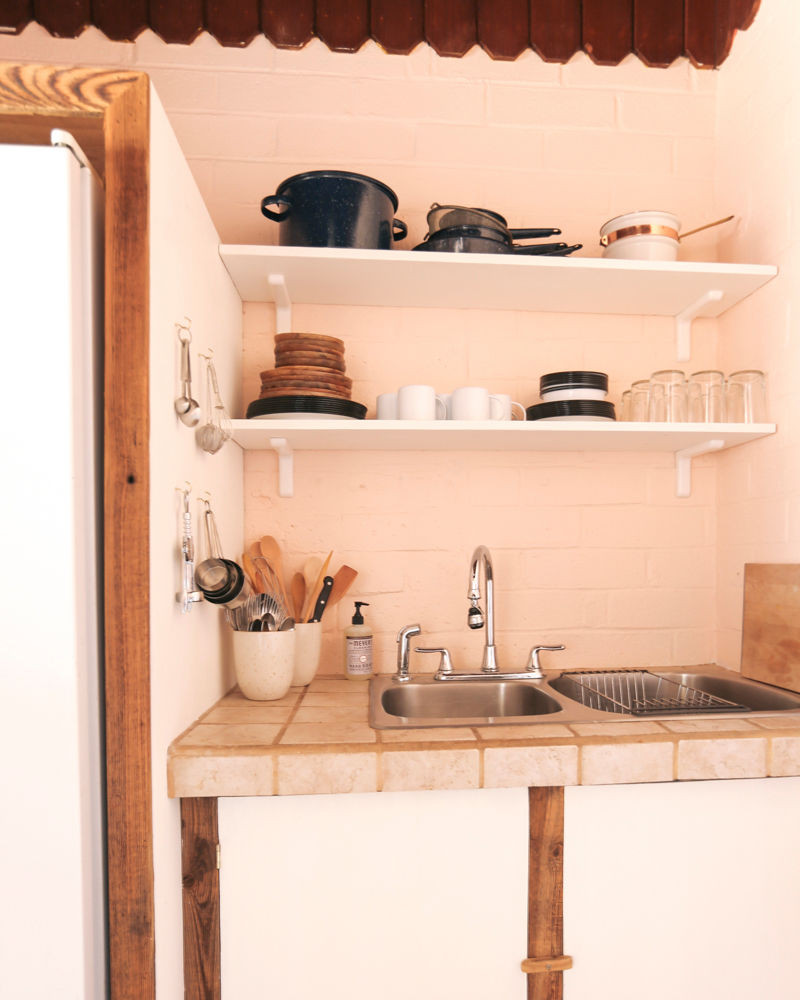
188 594
683 323
683 463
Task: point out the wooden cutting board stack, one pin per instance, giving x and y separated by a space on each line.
307 364
771 628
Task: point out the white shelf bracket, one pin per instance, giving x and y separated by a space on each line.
683 323
683 464
285 466
283 304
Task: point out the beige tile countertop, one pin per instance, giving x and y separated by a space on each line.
317 740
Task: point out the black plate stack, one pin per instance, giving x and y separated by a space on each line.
572 395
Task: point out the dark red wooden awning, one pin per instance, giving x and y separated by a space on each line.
657 31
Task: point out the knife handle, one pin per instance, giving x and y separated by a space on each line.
322 600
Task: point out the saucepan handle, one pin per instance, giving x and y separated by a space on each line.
399 230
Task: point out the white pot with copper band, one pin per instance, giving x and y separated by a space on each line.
642 235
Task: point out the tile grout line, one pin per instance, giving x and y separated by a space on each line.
276 742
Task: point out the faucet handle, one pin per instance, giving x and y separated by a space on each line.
445 662
403 637
533 661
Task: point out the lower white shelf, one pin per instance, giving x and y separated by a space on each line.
685 441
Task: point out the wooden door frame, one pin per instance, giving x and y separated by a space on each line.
108 112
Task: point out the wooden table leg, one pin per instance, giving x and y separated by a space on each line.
545 960
201 923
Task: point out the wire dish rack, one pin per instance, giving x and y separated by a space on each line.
639 692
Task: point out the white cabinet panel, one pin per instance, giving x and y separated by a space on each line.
687 890
375 897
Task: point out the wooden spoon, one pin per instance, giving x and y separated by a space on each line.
298 587
311 598
250 569
342 581
271 551
311 568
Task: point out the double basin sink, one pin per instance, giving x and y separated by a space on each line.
572 696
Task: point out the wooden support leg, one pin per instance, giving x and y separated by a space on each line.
201 925
545 960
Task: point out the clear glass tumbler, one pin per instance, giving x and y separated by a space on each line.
707 397
640 395
625 409
746 397
668 396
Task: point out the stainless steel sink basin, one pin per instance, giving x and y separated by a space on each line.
658 693
755 696
426 702
572 696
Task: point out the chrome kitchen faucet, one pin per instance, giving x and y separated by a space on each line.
475 616
475 619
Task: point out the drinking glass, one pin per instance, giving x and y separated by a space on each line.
746 397
626 406
707 397
640 400
668 396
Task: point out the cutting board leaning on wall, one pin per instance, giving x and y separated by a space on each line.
771 629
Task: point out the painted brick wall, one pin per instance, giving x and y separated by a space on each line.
758 163
591 550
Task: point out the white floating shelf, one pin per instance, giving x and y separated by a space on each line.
325 276
685 441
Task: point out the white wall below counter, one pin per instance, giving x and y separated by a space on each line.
687 890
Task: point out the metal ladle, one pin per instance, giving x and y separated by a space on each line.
187 408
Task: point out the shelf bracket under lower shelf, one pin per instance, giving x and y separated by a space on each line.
683 463
285 466
683 323
283 303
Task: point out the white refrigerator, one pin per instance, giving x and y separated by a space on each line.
52 923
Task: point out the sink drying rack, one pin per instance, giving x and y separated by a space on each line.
639 692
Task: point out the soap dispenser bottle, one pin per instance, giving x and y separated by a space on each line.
358 647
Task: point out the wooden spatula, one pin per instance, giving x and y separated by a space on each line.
342 581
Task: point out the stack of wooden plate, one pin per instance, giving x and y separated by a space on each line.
307 364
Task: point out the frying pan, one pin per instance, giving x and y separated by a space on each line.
479 239
447 216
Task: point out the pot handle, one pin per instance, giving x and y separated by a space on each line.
399 230
539 249
533 234
274 199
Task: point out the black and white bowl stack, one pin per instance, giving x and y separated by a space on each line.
572 396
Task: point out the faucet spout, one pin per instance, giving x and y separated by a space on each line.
475 617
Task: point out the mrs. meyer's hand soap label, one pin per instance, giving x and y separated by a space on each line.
359 656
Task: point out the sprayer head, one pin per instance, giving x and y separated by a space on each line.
475 617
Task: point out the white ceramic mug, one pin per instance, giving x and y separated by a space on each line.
473 402
419 402
307 648
386 406
512 410
264 663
